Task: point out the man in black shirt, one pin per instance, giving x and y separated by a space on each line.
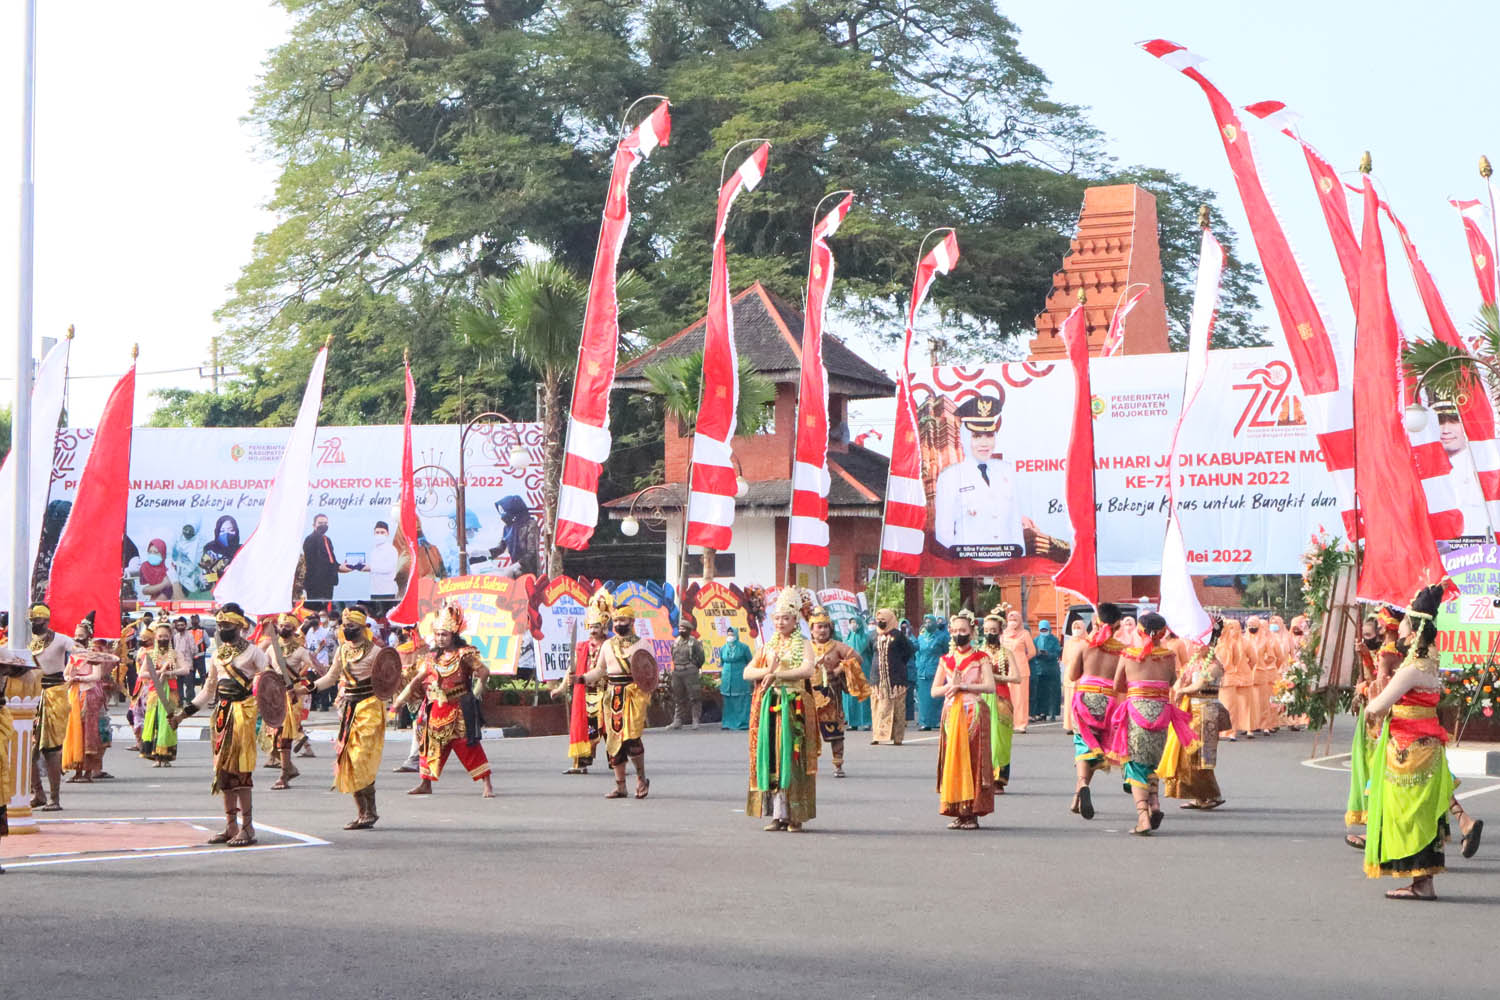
322 566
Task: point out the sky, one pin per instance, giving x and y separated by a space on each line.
150 191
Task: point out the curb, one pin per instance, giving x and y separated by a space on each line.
1467 763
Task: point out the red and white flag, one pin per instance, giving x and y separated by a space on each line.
405 612
1302 324
1114 341
260 577
1477 230
1432 461
905 498
710 514
1179 601
1400 553
588 418
807 531
86 565
1080 573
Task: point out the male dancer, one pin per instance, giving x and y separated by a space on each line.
361 738
1092 674
448 674
836 669
231 678
289 657
50 651
583 701
624 706
1145 675
11 665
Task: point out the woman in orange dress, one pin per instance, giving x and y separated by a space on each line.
1237 689
1016 639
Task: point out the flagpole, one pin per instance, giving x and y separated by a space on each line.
1486 171
20 431
797 424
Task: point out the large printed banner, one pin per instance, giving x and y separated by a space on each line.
1469 624
196 496
653 617
843 606
497 610
1251 484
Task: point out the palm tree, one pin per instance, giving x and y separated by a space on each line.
1451 373
679 382
536 313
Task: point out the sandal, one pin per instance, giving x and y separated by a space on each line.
353 824
1216 803
101 776
1156 817
50 807
775 826
1190 805
1407 892
280 784
1471 839
955 824
1355 841
1085 803
838 772
794 828
969 824
618 793
222 838
643 788
243 839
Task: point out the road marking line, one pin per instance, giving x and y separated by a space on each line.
1477 791
298 840
1317 763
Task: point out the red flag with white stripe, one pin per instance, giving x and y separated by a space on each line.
1477 229
1114 340
1080 573
1400 553
588 418
710 516
85 572
1432 461
1302 324
405 612
905 498
807 531
1179 601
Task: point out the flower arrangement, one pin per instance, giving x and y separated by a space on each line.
1325 558
1471 690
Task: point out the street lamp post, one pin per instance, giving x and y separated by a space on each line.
518 456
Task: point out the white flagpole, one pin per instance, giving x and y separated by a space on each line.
20 430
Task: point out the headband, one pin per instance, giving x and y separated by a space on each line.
39 613
232 618
354 616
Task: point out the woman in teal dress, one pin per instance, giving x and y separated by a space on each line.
932 643
734 657
857 712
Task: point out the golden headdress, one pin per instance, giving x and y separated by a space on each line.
232 614
287 618
600 610
820 616
39 613
450 620
788 602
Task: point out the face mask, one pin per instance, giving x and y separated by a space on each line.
1275 628
320 529
883 626
622 629
353 631
163 643
226 538
1254 629
960 640
1296 631
228 633
992 638
1372 644
154 559
38 628
286 633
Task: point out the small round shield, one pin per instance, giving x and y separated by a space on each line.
385 673
270 698
644 671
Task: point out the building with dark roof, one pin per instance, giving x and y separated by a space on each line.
768 332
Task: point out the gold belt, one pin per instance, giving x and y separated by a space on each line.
1093 689
1413 712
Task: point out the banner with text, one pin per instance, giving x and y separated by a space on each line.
1251 484
196 495
497 612
653 616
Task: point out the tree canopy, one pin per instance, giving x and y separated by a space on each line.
428 145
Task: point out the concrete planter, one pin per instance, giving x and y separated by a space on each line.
535 720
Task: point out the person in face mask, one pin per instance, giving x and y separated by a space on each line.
220 550
361 715
230 685
289 657
157 582
51 652
620 663
160 657
890 661
448 674
1236 692
1006 667
966 682
322 567
932 643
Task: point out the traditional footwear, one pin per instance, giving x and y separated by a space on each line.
955 824
1216 803
50 807
838 771
408 769
574 770
794 828
1085 803
280 784
353 824
969 824
775 826
38 800
618 792
1190 805
1410 892
101 776
1471 839
222 838
244 838
290 771
1355 841
1156 817
306 751
643 788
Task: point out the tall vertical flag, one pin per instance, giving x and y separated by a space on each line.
1080 573
588 418
807 531
905 497
710 515
1179 601
1433 463
261 576
46 408
1302 325
405 612
1114 340
1400 552
1476 222
86 565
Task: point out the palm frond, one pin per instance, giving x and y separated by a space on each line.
535 312
679 382
1487 324
1442 370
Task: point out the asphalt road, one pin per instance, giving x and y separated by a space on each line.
548 890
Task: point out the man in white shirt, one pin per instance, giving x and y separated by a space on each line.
382 561
975 502
1464 477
